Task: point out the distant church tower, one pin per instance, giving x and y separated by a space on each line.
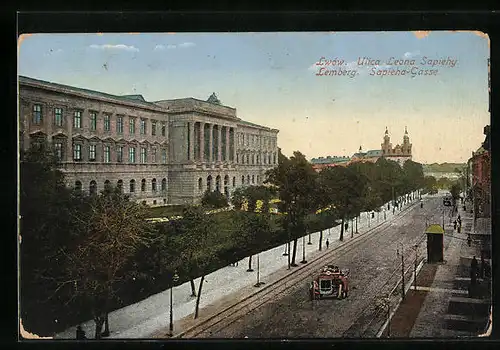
406 148
387 145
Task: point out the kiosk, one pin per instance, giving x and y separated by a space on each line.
435 243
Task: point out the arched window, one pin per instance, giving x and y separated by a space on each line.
143 185
253 179
234 181
119 184
93 187
209 183
107 185
132 186
153 185
242 179
248 179
200 184
226 180
217 183
258 179
163 185
78 185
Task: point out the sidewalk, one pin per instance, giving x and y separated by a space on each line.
441 307
147 317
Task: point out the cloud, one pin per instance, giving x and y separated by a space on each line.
171 46
411 54
186 45
115 47
159 47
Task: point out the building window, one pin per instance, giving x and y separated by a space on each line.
248 158
93 188
78 186
164 156
237 158
143 155
164 185
93 121
234 181
92 152
131 126
274 158
107 122
58 149
37 114
253 179
119 124
153 185
200 184
58 117
132 186
131 155
107 154
119 184
163 129
119 154
153 155
77 152
242 179
143 127
77 120
143 185
153 128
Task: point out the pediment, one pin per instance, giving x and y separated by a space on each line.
79 137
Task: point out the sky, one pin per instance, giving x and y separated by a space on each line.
280 80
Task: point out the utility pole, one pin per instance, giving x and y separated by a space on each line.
304 250
415 268
402 273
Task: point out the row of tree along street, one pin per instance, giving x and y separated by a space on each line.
83 256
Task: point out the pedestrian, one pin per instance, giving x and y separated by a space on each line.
481 267
455 224
327 243
459 219
80 333
473 271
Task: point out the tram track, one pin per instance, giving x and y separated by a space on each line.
285 284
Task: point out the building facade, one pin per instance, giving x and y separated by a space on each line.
480 190
163 152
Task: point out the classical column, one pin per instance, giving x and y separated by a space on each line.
191 141
219 143
211 142
234 145
202 141
227 144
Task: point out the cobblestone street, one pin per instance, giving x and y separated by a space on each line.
371 263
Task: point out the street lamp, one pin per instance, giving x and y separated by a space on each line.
304 250
175 278
259 283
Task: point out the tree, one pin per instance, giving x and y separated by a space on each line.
214 200
195 251
45 228
110 230
295 179
253 228
238 198
345 189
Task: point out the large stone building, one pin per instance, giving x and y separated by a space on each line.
163 152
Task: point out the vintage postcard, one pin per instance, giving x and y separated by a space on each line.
254 185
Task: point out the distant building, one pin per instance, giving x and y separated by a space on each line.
399 153
480 171
321 163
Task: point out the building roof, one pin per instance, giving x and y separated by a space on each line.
244 122
358 155
138 99
329 160
374 153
